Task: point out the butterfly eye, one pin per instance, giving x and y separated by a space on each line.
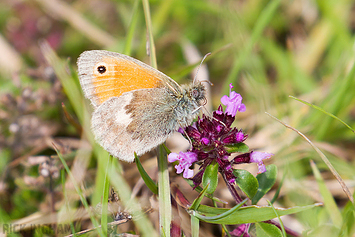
101 69
195 93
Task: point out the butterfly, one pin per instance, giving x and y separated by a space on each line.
136 107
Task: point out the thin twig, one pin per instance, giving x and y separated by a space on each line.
324 158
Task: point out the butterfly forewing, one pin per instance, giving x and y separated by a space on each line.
105 74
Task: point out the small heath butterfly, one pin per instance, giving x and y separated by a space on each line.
136 107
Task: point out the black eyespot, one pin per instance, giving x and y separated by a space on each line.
101 69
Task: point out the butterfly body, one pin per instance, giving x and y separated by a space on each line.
136 107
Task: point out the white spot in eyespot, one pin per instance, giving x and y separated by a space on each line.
100 68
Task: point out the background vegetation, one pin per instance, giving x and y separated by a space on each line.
267 49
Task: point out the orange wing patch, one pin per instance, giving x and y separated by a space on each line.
114 76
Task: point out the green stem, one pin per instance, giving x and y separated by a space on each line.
195 226
148 23
164 193
105 197
163 174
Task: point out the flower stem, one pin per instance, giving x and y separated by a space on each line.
232 190
164 193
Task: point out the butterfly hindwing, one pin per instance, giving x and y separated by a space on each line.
127 124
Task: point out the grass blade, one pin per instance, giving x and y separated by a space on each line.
260 25
78 190
105 196
324 158
329 202
147 180
323 111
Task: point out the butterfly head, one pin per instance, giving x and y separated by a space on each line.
196 92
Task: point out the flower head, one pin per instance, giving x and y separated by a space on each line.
211 139
210 136
185 161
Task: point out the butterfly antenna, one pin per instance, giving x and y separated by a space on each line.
208 54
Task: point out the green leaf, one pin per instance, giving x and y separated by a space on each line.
266 181
166 149
237 147
246 182
210 176
249 214
199 189
267 230
220 216
196 203
146 178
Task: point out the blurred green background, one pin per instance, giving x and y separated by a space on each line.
269 50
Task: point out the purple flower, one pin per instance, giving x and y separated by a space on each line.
212 138
258 157
185 161
239 136
241 230
209 137
253 157
233 102
213 141
205 140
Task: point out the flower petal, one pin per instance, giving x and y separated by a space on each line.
242 108
233 102
172 157
205 140
261 167
256 156
239 136
188 173
191 157
180 130
185 161
225 100
241 230
179 169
